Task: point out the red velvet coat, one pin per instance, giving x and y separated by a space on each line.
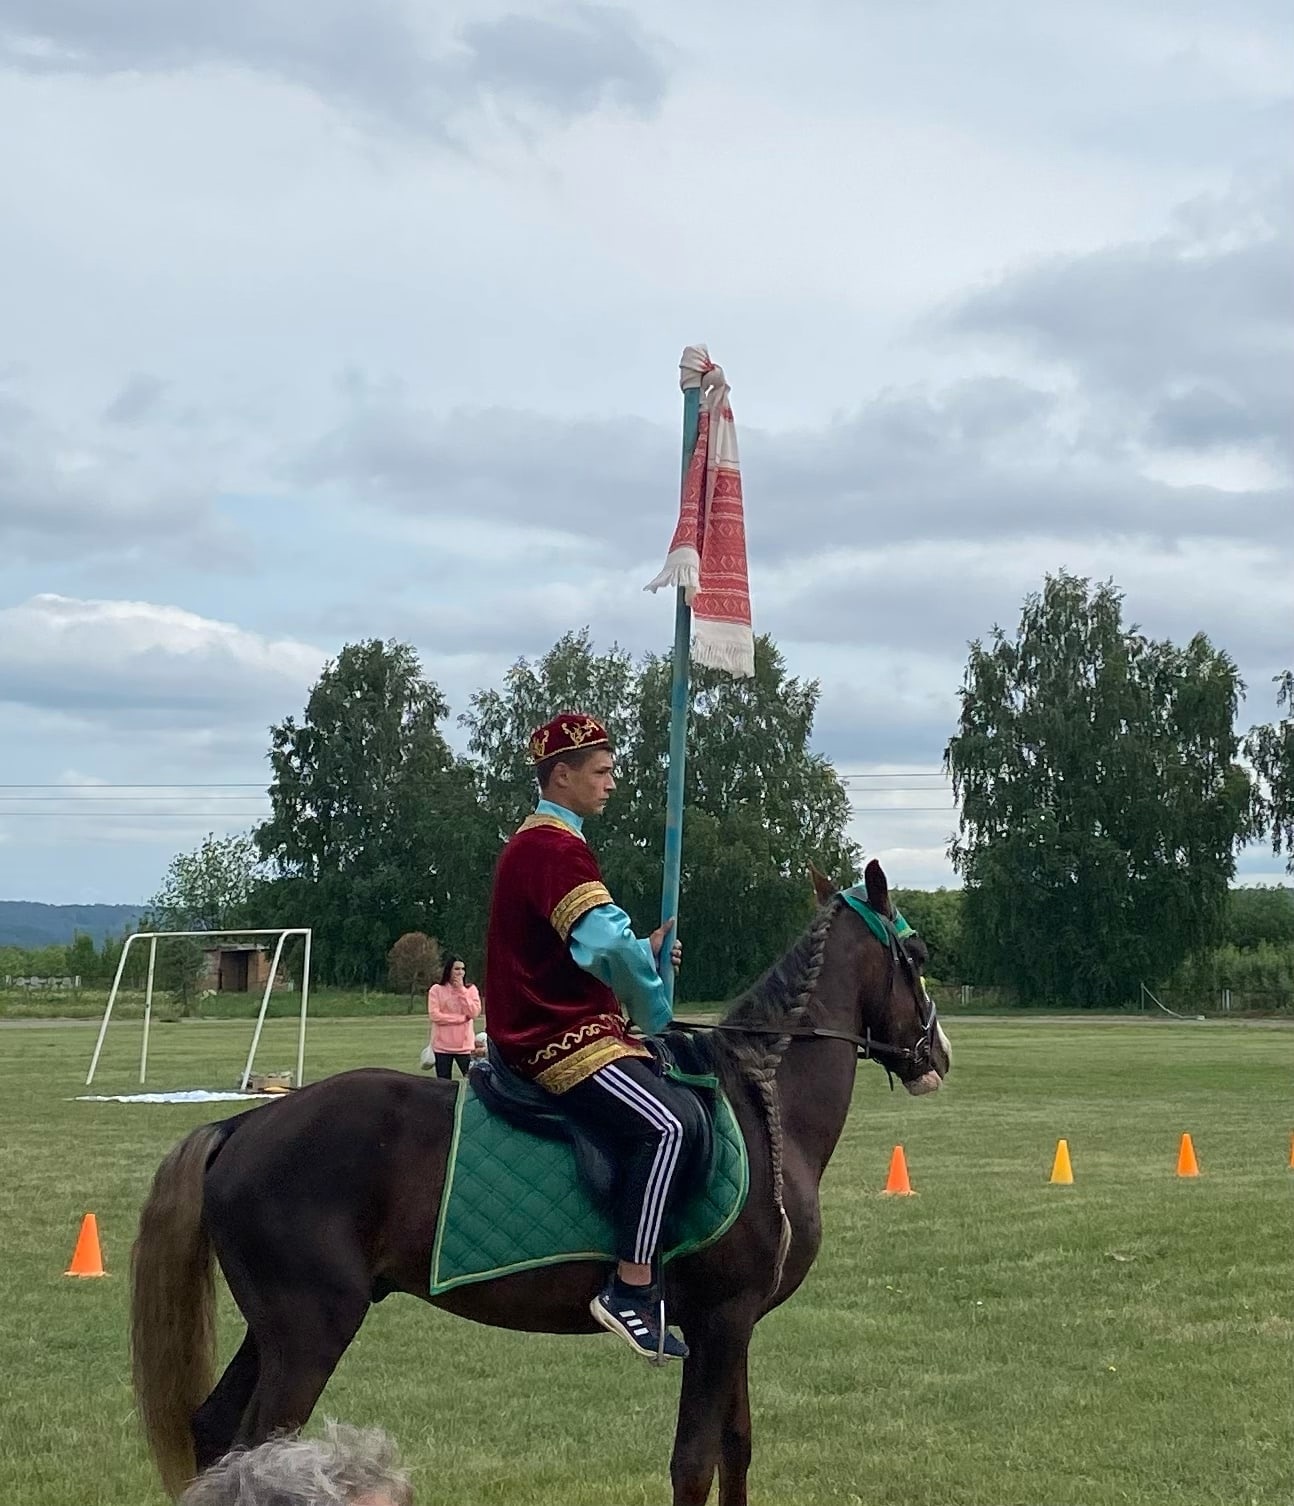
551 1020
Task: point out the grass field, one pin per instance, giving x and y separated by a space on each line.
88 1004
993 1341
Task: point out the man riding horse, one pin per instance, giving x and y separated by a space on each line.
561 959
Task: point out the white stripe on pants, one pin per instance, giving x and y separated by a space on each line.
621 1086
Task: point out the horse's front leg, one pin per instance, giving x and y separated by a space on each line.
705 1406
734 1452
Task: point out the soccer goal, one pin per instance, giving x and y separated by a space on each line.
153 937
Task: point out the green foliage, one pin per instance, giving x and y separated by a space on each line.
1260 977
414 963
1263 914
210 888
1270 749
82 960
758 806
937 915
78 959
178 971
375 828
1101 800
571 676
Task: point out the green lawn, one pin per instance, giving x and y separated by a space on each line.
993 1341
88 1004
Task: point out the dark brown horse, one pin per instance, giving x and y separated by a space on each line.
322 1203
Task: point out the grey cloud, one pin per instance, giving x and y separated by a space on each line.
1207 309
877 730
71 491
917 467
113 662
1200 419
599 54
986 459
1194 86
370 56
598 479
938 598
136 400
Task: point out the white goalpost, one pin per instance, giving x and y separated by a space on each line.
153 937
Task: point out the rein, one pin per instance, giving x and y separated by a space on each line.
869 1048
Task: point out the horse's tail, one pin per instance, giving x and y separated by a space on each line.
172 1305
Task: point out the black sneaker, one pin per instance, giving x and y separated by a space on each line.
637 1322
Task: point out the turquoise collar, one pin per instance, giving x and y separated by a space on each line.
885 930
560 813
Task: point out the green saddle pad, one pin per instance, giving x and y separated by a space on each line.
514 1201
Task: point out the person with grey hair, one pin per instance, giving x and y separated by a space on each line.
346 1467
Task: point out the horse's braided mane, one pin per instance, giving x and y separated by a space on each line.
784 996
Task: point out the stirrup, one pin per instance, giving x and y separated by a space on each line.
658 1282
631 1320
660 1325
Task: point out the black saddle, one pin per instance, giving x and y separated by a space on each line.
534 1109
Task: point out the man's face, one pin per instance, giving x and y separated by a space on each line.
586 790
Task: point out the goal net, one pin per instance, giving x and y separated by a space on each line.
153 937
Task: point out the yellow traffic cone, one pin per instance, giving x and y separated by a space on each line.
1062 1173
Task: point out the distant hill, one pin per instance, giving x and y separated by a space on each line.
26 924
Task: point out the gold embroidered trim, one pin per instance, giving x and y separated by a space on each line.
585 734
585 1062
581 899
531 822
601 1025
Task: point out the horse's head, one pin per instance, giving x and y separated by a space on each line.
894 1013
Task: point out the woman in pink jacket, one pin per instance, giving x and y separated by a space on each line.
452 1005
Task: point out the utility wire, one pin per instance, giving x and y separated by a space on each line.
260 784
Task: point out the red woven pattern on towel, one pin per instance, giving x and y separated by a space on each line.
724 591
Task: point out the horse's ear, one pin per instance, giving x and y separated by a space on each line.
823 888
878 888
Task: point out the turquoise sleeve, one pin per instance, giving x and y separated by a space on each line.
603 943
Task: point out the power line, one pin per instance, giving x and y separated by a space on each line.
139 815
902 810
899 774
260 784
215 784
96 799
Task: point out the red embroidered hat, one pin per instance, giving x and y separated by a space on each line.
567 733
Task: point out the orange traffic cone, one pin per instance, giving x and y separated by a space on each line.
1292 1152
1187 1165
897 1181
87 1258
1062 1173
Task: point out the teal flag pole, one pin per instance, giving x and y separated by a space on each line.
678 716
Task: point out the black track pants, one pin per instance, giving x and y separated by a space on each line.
623 1106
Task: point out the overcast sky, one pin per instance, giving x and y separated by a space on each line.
323 319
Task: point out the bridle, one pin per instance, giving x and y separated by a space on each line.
920 1057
